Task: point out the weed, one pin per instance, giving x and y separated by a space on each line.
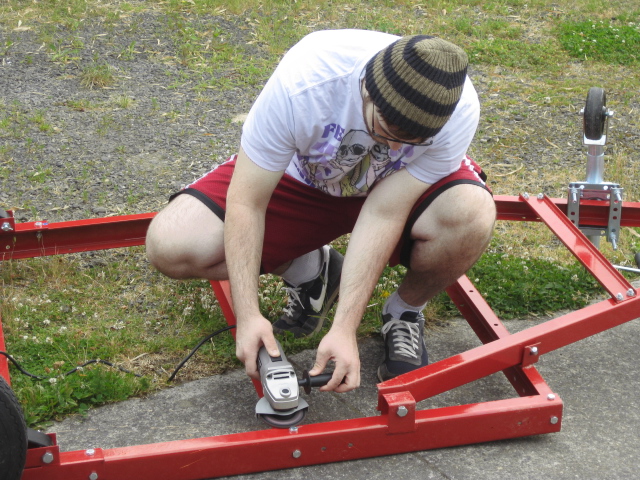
128 52
80 105
40 175
123 101
105 123
97 75
39 120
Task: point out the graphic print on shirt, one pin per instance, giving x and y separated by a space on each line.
353 167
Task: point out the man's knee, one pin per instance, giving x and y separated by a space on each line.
161 246
454 230
462 209
185 239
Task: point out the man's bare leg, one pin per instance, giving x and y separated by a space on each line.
449 237
186 240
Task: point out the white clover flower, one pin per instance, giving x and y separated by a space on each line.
46 321
53 381
48 340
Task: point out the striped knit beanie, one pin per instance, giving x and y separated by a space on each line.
416 83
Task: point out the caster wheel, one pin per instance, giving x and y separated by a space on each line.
595 114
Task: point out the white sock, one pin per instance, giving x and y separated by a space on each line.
396 306
304 268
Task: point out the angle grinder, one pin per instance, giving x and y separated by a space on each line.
281 405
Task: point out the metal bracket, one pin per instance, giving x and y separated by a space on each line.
531 354
401 412
611 192
7 222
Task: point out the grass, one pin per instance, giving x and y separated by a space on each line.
603 40
97 75
535 62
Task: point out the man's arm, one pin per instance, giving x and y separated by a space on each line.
247 198
375 235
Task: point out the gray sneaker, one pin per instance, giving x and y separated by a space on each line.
404 347
310 302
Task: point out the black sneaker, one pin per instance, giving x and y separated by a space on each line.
404 347
310 302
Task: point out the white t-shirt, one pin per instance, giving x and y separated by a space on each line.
308 120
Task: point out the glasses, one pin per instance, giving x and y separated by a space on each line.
423 143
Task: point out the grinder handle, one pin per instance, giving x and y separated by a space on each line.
307 381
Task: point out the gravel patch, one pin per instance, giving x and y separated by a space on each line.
69 152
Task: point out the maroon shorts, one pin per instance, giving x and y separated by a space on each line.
301 219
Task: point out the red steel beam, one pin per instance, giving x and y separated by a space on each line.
488 327
509 351
592 212
327 442
37 239
580 246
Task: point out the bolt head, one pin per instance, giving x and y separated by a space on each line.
619 296
402 411
554 420
540 196
534 350
6 227
47 457
93 476
297 454
90 452
631 292
551 396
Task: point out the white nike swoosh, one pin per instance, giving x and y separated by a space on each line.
316 303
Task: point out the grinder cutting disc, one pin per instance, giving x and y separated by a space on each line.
283 421
281 418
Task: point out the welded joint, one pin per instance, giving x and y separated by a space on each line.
400 410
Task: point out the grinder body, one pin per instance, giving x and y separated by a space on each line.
279 381
281 405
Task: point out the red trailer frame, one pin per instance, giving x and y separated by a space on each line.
536 410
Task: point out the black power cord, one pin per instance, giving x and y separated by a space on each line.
197 347
104 362
73 370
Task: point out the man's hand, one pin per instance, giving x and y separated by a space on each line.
341 347
254 333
